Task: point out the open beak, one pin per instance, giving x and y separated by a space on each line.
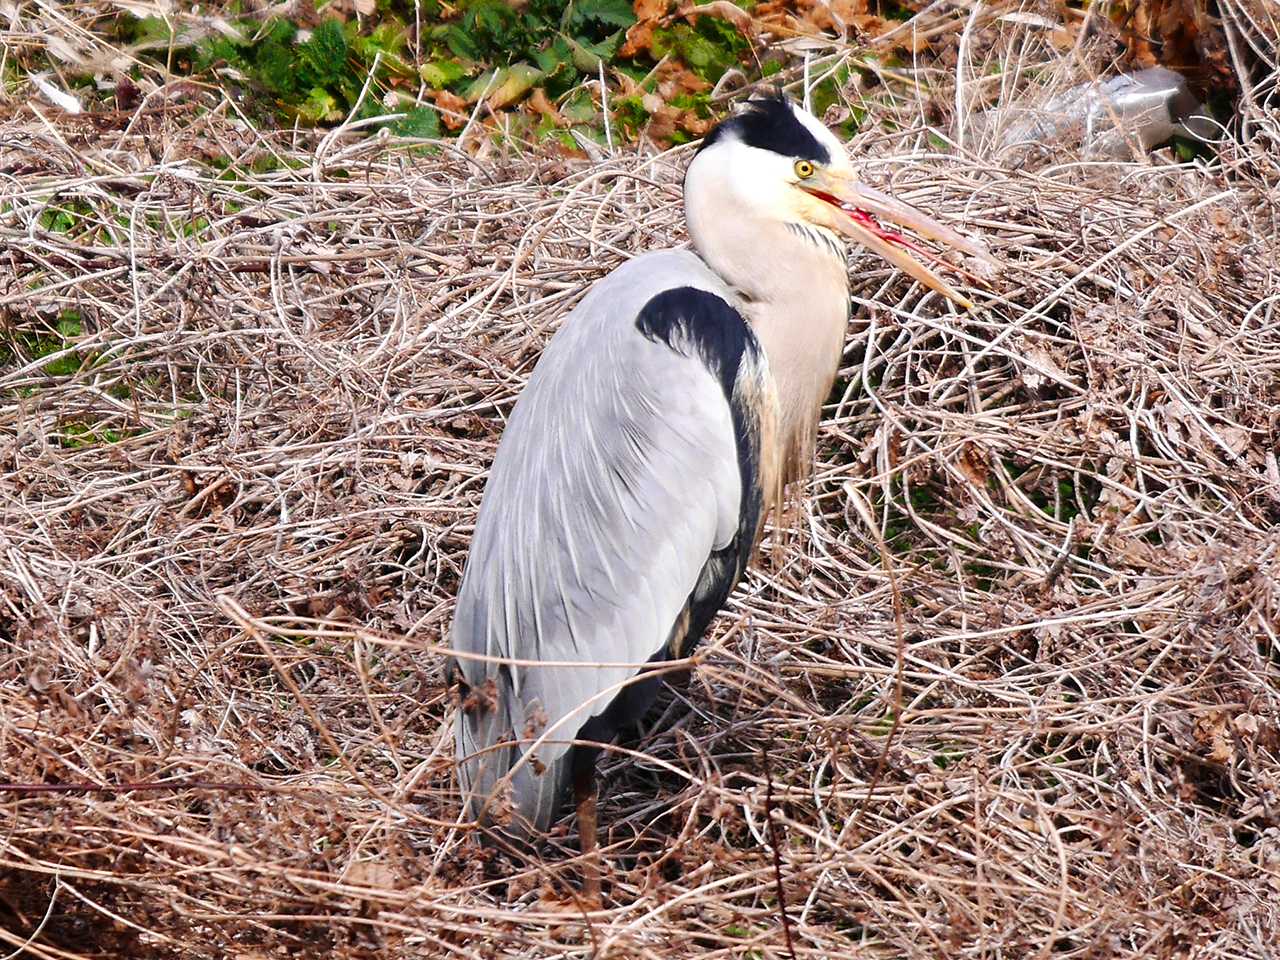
856 211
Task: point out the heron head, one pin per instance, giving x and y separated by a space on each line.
773 161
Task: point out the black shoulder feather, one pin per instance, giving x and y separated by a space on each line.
697 323
688 319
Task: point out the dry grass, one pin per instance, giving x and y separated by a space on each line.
232 536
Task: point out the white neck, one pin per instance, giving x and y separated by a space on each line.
794 285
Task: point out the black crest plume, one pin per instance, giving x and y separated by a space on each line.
769 123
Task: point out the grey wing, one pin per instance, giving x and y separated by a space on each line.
618 481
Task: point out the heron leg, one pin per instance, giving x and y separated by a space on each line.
584 795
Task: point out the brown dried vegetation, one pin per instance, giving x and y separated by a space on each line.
1013 657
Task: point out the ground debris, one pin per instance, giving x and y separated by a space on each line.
1075 488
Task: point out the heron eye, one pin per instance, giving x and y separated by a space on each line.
804 169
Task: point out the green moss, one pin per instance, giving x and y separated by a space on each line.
883 726
826 93
948 755
80 433
24 345
69 324
64 217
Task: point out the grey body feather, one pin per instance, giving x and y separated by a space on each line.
616 479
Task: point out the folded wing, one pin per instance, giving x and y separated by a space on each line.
619 512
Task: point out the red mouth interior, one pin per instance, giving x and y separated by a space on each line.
872 224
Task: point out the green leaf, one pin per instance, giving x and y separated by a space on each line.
546 128
709 50
580 108
391 41
220 50
484 84
441 73
152 30
493 24
324 56
57 220
281 31
556 63
391 37
555 53
1185 149
515 83
630 113
612 13
63 366
462 43
503 86
318 106
423 122
588 56
276 66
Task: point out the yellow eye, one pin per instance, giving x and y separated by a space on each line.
804 169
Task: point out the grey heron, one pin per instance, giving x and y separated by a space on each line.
661 422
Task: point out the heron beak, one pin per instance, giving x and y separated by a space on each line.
857 210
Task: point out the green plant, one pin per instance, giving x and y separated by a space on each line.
709 48
52 340
458 53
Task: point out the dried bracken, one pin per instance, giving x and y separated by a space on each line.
1013 658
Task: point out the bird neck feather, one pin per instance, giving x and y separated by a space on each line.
793 283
